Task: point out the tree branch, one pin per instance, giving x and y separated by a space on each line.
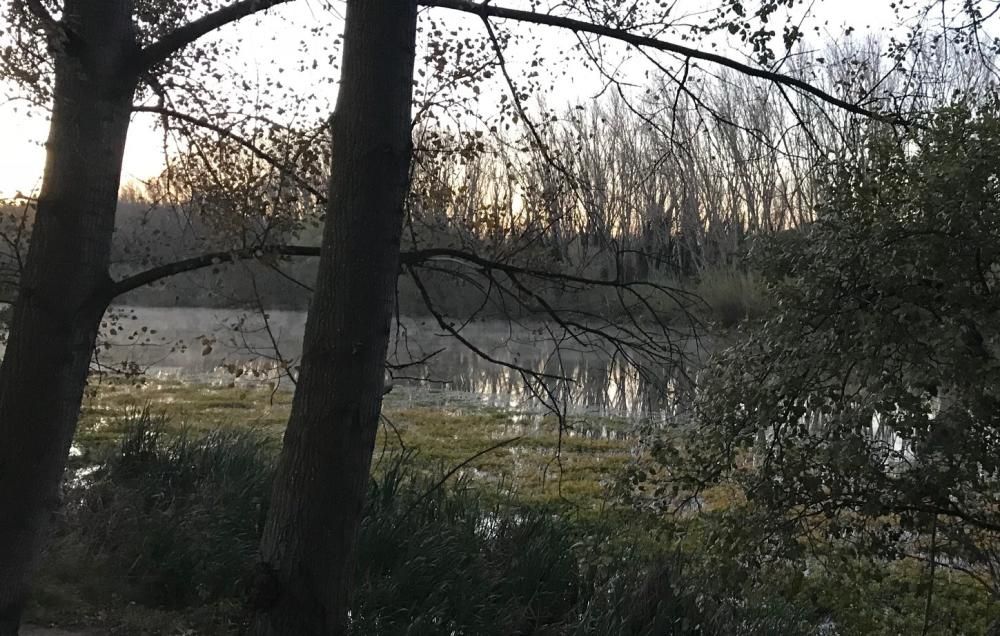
225 132
53 29
415 257
180 37
447 253
485 10
205 260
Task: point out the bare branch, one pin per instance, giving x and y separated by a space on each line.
229 134
417 258
486 10
200 262
455 333
516 97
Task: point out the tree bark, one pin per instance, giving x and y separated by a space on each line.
61 299
309 540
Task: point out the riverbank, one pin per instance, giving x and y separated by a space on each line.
168 481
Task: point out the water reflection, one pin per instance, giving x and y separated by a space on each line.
220 346
595 382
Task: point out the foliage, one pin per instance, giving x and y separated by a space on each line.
863 415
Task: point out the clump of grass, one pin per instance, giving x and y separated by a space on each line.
175 518
456 561
441 561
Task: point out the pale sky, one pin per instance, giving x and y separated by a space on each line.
275 44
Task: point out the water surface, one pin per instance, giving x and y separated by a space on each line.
219 345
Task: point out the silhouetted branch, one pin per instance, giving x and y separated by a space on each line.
455 333
54 31
229 134
180 37
205 260
515 96
412 258
486 10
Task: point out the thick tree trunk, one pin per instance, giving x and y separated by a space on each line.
309 540
61 300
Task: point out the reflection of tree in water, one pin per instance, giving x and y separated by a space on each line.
597 382
593 381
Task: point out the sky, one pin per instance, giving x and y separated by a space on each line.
275 43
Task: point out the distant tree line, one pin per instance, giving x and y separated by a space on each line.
666 187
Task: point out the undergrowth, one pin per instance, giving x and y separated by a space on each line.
160 537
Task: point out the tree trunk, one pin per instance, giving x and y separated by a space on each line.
309 539
61 299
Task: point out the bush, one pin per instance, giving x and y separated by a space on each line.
863 417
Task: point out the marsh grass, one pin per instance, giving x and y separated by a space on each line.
576 468
160 532
177 513
160 538
457 560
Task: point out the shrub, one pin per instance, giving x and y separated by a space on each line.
863 416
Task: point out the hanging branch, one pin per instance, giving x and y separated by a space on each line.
283 169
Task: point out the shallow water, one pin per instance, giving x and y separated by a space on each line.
225 346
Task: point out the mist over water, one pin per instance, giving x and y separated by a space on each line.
238 345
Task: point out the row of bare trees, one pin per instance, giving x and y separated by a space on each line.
673 182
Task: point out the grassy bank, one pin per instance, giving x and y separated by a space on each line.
161 522
164 507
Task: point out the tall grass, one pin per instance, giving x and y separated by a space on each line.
171 521
175 517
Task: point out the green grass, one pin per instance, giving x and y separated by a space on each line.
574 469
